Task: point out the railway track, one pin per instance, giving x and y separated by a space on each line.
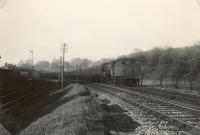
11 104
181 116
190 99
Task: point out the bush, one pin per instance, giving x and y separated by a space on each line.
85 92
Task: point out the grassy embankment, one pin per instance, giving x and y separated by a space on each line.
81 113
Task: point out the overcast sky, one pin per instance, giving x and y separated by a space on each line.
94 28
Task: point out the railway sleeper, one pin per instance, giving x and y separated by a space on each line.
173 113
167 110
187 117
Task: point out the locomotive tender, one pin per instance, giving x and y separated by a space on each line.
123 71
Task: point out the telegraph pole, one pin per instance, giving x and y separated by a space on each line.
32 60
64 49
0 61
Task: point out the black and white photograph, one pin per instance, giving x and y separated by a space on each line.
99 67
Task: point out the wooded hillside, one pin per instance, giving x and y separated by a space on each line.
174 65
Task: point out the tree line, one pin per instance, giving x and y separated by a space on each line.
55 64
172 64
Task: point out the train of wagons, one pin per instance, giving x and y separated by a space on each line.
122 71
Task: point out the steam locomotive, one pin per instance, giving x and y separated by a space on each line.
124 71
